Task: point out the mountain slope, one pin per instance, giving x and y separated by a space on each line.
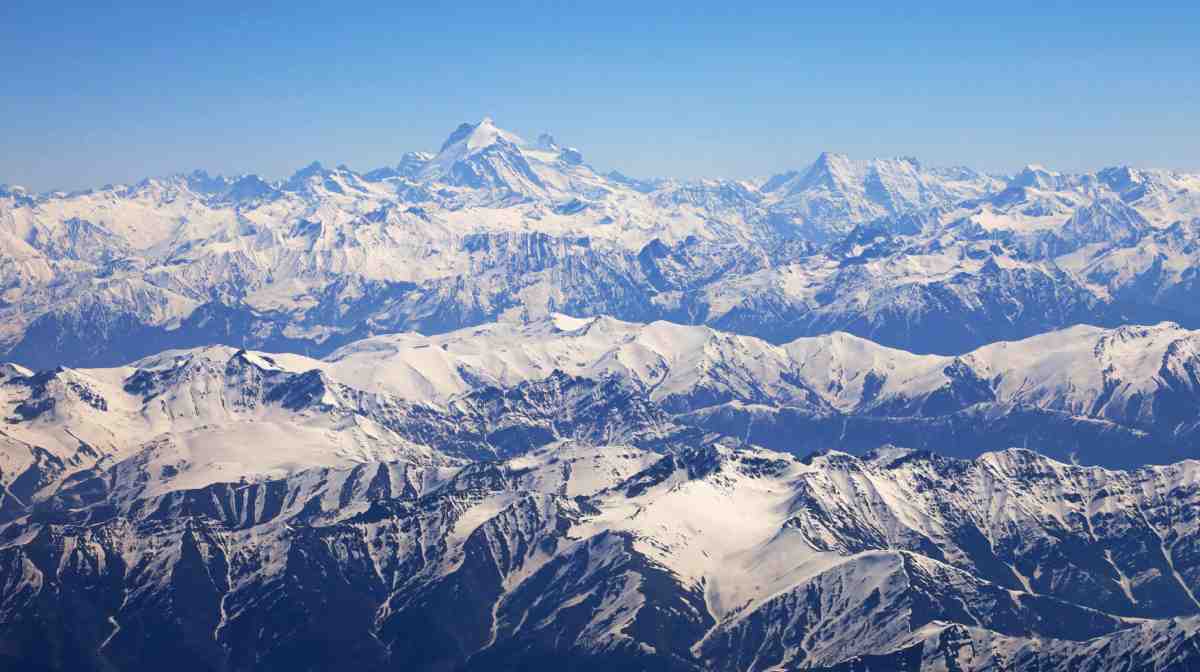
185 418
830 563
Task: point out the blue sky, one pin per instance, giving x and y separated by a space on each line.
93 95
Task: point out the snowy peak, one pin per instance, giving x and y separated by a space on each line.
837 172
1123 179
409 167
317 181
836 193
240 190
1036 176
1040 199
469 138
484 157
829 171
314 169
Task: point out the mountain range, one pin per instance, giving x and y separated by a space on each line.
614 557
597 491
494 228
492 408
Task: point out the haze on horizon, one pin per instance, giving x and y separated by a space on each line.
702 90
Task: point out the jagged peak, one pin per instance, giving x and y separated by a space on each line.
483 155
469 138
1036 176
827 157
836 171
1124 179
829 163
313 168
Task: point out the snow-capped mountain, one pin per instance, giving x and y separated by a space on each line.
835 193
492 408
712 557
492 227
486 158
187 419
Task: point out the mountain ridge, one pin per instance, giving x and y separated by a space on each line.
490 408
1117 397
838 546
935 260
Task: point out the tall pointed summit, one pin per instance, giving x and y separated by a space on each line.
484 156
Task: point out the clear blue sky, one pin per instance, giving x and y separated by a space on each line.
93 95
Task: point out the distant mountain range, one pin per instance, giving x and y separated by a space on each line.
490 408
495 228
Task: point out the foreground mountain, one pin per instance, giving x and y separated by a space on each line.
595 494
491 227
590 556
